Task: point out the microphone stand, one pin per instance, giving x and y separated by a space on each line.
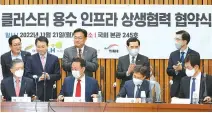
44 84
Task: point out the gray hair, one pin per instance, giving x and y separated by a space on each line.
16 61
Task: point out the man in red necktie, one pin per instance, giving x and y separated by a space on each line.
79 85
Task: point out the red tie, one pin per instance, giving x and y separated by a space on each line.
78 89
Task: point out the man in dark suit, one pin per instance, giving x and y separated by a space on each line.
195 81
80 50
176 60
45 66
132 88
127 63
79 85
17 85
15 52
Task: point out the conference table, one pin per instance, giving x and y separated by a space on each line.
101 107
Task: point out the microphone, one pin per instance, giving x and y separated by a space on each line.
53 87
36 88
25 89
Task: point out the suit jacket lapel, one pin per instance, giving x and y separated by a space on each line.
87 85
47 62
132 89
74 52
202 87
138 59
10 57
23 56
127 59
178 56
85 52
11 87
187 87
72 86
39 61
23 87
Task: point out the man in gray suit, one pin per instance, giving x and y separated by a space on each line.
127 63
79 49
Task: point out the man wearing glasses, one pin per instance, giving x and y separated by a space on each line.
80 50
14 53
176 60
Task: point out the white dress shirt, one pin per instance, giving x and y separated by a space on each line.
185 52
16 57
82 88
197 84
135 89
131 62
45 57
82 50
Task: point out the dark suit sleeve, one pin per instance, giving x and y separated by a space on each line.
56 74
209 85
121 74
96 87
92 65
123 91
63 87
170 70
3 89
181 93
3 66
66 62
32 88
147 64
28 68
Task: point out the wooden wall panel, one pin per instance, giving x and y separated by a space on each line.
106 73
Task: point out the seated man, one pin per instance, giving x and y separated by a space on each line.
17 85
79 85
195 80
132 88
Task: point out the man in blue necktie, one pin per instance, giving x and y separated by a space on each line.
176 60
195 83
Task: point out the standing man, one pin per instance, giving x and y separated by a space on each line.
127 63
45 66
79 49
15 52
176 60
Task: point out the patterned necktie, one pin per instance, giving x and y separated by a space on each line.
182 59
78 89
17 88
192 88
133 60
80 53
138 92
43 61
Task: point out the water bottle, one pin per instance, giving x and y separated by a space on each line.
195 98
143 97
99 96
